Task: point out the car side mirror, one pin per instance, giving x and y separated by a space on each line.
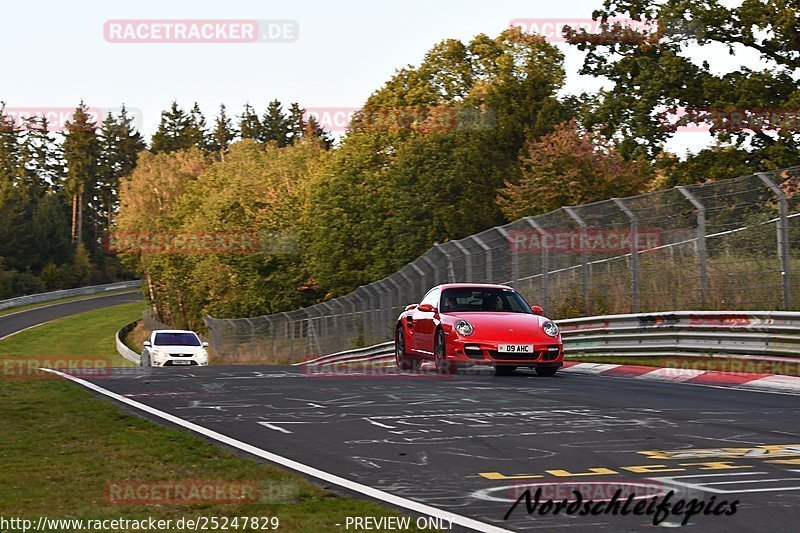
537 310
205 345
410 307
146 343
426 308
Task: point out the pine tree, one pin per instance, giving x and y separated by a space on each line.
120 144
42 166
296 123
250 125
313 129
81 154
197 132
223 133
9 145
172 131
275 125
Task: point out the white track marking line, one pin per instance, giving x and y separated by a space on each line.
589 368
378 494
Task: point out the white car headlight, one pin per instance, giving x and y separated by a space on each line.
159 353
202 354
464 328
550 329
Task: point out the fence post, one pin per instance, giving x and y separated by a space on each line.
783 235
451 275
467 256
584 256
488 251
634 225
435 270
423 286
545 261
410 283
514 258
701 242
362 309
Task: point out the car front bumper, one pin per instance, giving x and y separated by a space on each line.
463 350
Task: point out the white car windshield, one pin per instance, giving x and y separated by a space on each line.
177 339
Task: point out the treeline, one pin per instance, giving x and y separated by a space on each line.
478 133
473 136
59 183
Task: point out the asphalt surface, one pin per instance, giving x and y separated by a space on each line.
20 320
472 443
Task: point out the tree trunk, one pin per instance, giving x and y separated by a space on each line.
79 232
74 218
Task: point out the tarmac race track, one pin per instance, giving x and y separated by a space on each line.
17 321
471 444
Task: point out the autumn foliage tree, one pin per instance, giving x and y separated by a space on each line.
569 167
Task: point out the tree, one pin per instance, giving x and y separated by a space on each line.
173 131
570 167
275 125
42 158
654 72
223 133
120 145
424 159
81 154
249 124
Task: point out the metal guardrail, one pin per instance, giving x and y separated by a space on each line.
756 334
685 333
67 293
374 353
122 349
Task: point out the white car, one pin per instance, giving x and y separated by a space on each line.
174 347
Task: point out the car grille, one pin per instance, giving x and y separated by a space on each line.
180 355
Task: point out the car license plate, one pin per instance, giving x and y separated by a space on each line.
515 348
180 362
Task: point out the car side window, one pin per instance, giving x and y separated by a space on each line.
432 298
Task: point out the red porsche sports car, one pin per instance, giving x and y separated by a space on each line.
462 324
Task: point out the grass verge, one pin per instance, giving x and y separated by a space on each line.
61 301
60 447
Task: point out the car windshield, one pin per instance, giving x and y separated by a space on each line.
468 299
177 339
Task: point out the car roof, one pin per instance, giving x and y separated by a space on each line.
476 285
173 331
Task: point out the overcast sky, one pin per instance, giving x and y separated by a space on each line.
56 53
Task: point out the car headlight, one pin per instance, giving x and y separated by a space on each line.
202 354
464 328
550 329
159 353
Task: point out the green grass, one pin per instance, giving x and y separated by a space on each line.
62 300
60 446
721 364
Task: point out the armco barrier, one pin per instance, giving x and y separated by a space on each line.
122 349
756 334
67 293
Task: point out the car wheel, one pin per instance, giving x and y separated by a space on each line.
546 371
440 351
504 370
401 358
